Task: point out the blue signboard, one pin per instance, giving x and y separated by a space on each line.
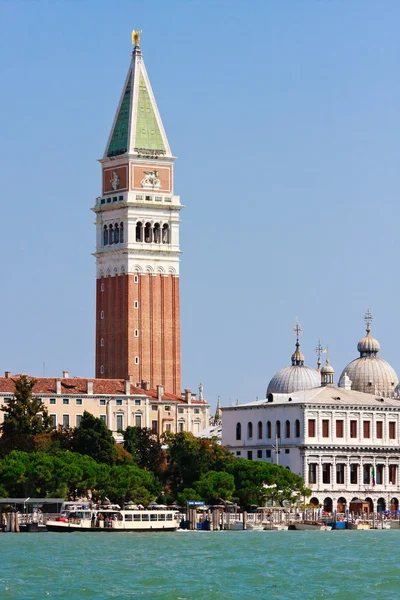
195 502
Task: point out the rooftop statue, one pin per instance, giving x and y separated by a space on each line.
136 37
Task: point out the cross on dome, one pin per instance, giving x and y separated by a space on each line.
368 318
297 329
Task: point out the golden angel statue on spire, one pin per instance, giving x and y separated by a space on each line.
136 37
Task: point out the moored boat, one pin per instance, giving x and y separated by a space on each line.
113 520
275 527
312 526
359 525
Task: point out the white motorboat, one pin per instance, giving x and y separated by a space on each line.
312 526
113 520
254 527
363 525
275 527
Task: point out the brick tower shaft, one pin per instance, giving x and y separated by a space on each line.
137 246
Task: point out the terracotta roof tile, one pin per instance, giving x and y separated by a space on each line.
78 386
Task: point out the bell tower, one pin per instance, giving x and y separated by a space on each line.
137 243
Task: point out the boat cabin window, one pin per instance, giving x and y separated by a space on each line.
161 517
145 517
128 518
169 517
136 517
153 517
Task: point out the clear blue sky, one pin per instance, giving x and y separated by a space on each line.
285 119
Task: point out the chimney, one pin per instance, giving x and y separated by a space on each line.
160 392
188 396
89 387
7 374
145 385
65 374
58 387
127 387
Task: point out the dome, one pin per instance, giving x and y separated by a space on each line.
368 345
327 369
370 373
294 379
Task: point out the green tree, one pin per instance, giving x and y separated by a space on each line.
94 439
215 486
257 481
145 449
186 495
129 483
25 416
190 457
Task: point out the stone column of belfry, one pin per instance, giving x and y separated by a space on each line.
137 249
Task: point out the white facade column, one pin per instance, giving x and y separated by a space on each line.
128 416
146 414
109 415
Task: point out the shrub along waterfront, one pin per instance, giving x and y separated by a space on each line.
37 460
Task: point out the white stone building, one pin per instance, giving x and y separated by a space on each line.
342 441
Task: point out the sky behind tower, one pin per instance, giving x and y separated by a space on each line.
285 120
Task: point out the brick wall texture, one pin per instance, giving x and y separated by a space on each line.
149 333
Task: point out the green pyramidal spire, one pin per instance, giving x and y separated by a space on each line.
137 127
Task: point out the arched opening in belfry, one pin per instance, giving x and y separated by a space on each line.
157 234
148 233
121 233
165 234
110 235
139 231
116 233
105 235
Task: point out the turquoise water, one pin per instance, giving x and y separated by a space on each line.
193 566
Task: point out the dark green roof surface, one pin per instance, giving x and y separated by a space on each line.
119 140
147 131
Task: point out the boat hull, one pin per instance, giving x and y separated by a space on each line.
359 526
70 528
312 527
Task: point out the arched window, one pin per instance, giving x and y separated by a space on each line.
105 235
269 431
121 232
110 235
165 234
297 428
139 232
260 428
147 233
238 431
278 429
249 430
116 234
288 429
157 233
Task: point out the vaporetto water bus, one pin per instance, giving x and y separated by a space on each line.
113 519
